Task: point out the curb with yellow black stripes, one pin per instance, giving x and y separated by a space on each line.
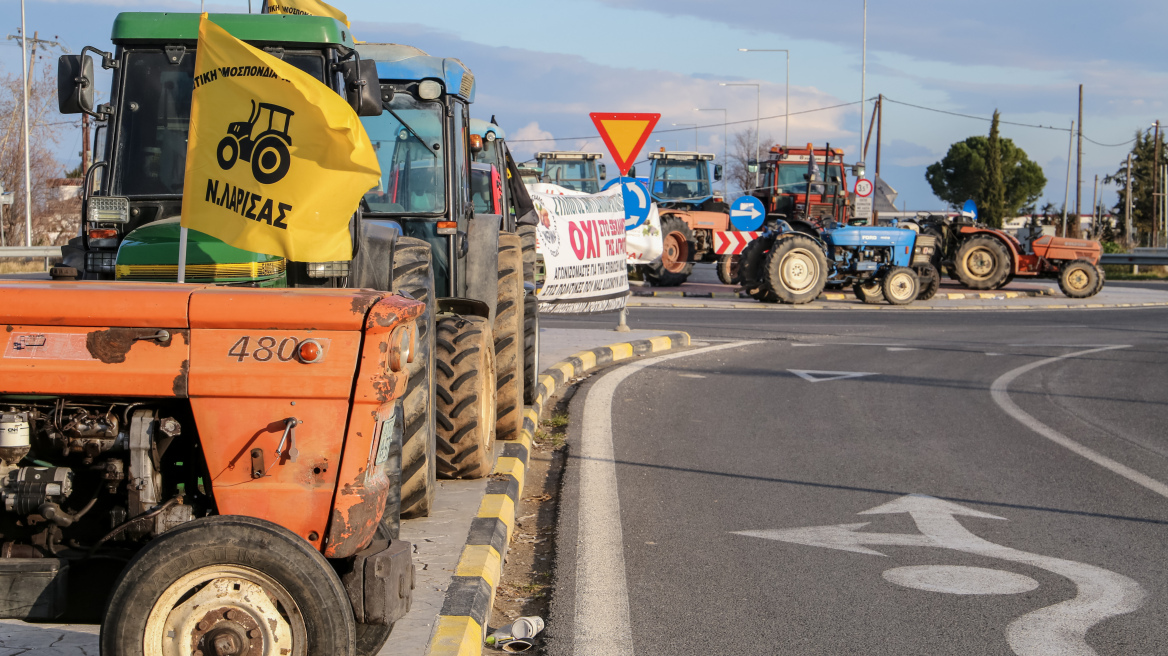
466 610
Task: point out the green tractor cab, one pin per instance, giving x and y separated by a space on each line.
142 139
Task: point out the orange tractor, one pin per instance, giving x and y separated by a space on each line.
233 454
983 258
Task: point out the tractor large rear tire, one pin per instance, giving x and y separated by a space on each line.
796 269
464 396
412 273
674 266
530 315
274 582
1078 279
508 332
727 269
982 263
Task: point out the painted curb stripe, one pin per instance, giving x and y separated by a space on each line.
837 296
463 621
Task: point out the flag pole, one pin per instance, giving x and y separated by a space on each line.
182 254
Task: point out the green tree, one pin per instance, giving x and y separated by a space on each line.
995 186
1143 157
962 175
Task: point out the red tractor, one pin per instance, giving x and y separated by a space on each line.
985 258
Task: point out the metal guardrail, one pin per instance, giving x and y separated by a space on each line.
30 251
1142 257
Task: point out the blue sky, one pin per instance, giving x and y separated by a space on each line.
543 66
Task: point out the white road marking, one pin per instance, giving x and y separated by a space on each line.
797 345
993 354
602 626
901 348
691 375
960 579
999 390
813 376
1058 629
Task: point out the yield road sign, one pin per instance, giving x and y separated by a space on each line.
637 201
747 214
624 135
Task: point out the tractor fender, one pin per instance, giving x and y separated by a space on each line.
806 227
1012 245
464 307
479 275
372 265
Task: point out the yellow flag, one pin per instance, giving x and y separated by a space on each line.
306 8
276 161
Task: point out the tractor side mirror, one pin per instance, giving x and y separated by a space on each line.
362 88
718 173
603 171
752 166
632 171
75 84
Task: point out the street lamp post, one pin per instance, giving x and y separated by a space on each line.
757 116
787 91
724 141
689 125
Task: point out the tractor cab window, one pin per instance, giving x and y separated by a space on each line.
681 180
577 174
409 143
791 180
154 114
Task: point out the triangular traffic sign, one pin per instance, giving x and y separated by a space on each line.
813 376
624 135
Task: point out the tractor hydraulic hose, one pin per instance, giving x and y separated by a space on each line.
129 522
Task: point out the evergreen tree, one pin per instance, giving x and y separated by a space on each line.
994 193
1143 161
963 174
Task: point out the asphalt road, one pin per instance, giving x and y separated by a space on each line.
1036 441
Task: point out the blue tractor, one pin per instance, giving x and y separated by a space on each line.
889 263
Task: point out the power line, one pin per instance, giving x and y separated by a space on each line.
977 118
702 127
1109 145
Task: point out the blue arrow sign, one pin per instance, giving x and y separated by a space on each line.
747 214
637 201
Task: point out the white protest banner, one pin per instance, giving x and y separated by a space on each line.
582 240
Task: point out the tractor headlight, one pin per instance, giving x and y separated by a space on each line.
401 348
109 209
429 90
490 137
338 269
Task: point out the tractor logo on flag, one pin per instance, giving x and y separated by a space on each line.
267 151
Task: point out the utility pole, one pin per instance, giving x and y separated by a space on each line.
1127 205
879 129
1095 209
864 73
1155 185
1067 190
1079 173
27 158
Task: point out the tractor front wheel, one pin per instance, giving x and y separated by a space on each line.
1079 279
270 160
727 269
982 263
869 291
674 266
464 396
930 281
901 286
228 584
796 269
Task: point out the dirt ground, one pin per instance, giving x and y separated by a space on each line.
526 586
